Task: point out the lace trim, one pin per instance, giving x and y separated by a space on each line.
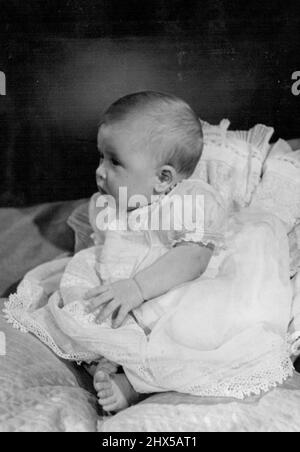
9 307
218 243
265 379
16 315
272 370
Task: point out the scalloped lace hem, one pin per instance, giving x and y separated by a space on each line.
272 370
16 315
241 387
216 243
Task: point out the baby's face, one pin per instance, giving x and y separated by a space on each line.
125 161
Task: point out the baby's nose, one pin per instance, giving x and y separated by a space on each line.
101 172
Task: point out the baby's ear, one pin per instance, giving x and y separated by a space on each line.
166 177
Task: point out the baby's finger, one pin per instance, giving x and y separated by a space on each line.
107 311
95 291
99 301
122 314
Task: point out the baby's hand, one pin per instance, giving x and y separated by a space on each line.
120 298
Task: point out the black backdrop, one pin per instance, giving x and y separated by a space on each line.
66 61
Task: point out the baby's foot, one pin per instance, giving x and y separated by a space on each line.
115 393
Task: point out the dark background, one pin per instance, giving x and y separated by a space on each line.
66 61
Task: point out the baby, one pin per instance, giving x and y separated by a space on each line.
149 143
180 293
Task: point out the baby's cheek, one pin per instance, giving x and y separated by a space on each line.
113 184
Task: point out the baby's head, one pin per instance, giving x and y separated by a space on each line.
148 142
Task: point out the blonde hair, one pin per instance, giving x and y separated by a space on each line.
173 129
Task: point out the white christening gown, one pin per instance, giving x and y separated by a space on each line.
224 334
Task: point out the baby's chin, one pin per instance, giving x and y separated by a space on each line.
102 192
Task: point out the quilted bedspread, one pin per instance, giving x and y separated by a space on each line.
38 392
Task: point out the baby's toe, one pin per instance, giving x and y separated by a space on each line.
104 394
102 386
108 403
101 376
102 382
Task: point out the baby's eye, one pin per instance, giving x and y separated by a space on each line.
115 162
